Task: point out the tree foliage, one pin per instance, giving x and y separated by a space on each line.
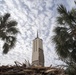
8 30
65 36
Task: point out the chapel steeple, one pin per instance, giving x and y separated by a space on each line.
37 35
38 54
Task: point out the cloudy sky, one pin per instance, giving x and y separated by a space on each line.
32 15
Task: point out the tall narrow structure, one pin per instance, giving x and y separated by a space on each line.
37 54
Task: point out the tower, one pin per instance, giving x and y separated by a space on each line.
37 54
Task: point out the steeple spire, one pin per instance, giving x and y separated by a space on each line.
37 34
37 54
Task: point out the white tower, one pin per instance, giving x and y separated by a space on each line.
37 54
